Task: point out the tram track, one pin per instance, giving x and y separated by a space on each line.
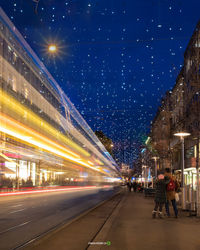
42 237
102 226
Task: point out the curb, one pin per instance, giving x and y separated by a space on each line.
101 236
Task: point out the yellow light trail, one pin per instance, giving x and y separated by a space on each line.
99 162
32 118
17 130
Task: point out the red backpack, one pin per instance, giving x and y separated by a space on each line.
171 185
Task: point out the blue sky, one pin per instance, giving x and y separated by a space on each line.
116 58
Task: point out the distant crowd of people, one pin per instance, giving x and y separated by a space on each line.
135 186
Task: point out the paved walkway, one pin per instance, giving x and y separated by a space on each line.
129 227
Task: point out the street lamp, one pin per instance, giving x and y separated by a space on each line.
155 158
182 135
52 48
144 174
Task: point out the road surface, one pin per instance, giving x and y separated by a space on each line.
24 217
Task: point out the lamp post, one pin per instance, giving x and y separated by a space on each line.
182 135
156 169
144 174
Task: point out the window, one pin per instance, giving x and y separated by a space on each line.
197 44
26 93
190 153
12 81
188 65
14 84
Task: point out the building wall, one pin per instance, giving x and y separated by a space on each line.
184 103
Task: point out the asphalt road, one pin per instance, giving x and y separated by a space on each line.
24 217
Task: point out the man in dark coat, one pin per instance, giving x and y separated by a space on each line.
160 194
171 191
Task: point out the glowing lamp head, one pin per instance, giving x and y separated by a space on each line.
182 134
52 48
155 158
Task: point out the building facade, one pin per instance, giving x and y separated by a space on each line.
160 132
183 106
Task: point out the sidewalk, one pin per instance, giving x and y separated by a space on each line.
129 227
132 227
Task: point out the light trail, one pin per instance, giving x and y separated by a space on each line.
11 228
17 211
19 205
32 137
13 105
26 134
68 189
17 130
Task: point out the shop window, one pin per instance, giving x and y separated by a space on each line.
190 152
23 171
10 170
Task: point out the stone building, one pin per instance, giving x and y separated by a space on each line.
177 119
192 96
180 112
160 132
180 109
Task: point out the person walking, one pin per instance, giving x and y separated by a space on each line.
171 190
129 185
160 194
135 186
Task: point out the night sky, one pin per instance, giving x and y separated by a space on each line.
116 58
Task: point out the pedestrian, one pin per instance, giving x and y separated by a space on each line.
129 185
171 189
135 186
140 188
160 194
